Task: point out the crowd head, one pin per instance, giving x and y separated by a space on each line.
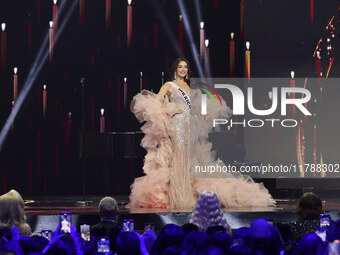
108 208
207 212
12 212
309 206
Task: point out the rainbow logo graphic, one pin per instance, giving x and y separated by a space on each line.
204 97
209 93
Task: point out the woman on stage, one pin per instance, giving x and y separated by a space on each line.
176 138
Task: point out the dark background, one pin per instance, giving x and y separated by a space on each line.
36 159
283 38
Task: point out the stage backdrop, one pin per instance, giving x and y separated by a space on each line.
85 54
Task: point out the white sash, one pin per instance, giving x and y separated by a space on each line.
185 96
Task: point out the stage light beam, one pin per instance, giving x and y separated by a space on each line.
38 63
193 47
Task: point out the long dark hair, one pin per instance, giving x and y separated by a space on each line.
173 69
309 207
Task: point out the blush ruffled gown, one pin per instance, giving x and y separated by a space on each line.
176 139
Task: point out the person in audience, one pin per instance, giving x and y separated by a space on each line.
276 244
11 248
242 236
64 244
113 234
284 231
188 228
308 213
195 242
221 240
35 244
215 229
12 212
241 249
310 244
265 239
334 233
128 243
260 233
107 209
207 233
170 235
149 237
207 212
60 247
173 250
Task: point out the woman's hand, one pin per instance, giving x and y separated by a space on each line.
15 234
56 231
55 237
143 249
75 237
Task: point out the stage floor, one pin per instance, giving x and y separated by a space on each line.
43 213
54 205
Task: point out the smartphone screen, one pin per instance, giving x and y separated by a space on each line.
325 221
47 233
321 234
149 225
103 244
271 222
85 231
128 225
65 222
334 247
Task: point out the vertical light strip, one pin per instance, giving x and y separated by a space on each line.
204 104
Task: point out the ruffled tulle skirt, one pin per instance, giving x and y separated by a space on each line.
165 183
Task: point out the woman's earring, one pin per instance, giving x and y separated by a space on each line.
175 76
186 77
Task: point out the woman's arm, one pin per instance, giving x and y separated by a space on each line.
162 92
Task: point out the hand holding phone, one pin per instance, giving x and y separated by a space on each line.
85 231
322 234
271 222
325 221
149 225
334 247
47 233
103 244
128 225
65 222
